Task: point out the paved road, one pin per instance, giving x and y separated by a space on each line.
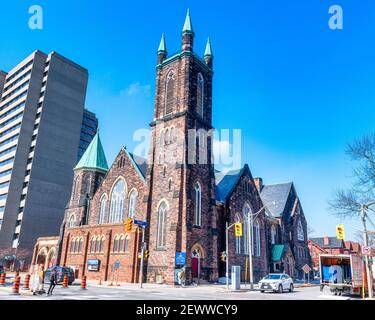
170 293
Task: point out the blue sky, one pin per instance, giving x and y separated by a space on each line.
298 90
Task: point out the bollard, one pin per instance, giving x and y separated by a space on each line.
26 285
66 282
84 283
2 279
16 286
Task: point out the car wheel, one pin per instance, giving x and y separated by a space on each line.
280 289
291 288
262 291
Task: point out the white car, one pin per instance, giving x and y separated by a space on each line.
277 282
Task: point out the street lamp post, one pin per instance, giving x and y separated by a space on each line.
250 218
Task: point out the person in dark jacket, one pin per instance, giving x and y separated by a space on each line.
53 281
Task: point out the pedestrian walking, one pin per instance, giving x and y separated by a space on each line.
52 281
37 283
182 277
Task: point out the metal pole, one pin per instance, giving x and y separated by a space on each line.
227 254
249 224
365 238
143 253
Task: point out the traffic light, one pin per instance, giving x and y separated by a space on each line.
129 224
147 254
223 256
238 229
340 232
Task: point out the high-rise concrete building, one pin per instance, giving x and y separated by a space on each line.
43 128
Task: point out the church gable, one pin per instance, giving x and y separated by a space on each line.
121 193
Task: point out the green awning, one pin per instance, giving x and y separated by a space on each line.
277 252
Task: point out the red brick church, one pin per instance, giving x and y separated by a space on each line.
184 200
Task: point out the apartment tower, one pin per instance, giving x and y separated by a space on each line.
44 129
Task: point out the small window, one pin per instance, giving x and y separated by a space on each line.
132 204
122 242
115 244
126 249
170 93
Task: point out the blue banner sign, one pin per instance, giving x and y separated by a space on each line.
180 258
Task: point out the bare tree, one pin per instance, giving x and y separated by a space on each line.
359 238
347 203
310 232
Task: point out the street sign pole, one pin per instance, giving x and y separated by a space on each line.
250 248
142 258
365 238
227 253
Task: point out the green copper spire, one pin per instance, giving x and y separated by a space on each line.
188 26
208 52
94 157
162 46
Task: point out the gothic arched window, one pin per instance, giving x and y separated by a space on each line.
256 238
273 235
75 187
121 243
198 205
103 206
80 245
126 248
162 226
115 243
170 93
92 244
101 244
72 245
200 95
161 141
300 232
117 202
246 212
72 221
238 239
132 203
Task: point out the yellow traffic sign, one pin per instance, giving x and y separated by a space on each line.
238 229
340 232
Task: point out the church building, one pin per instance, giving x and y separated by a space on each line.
185 202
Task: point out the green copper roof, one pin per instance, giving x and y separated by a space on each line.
94 157
188 26
162 46
208 51
277 253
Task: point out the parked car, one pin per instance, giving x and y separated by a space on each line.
277 282
61 273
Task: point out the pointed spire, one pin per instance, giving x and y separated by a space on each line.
94 157
162 46
188 26
208 52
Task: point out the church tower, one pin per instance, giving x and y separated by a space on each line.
88 174
182 208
